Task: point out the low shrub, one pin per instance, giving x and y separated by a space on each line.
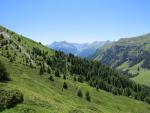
10 98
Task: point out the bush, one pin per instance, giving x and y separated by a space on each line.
75 79
1 36
4 76
64 77
65 86
80 79
51 78
49 70
42 69
147 100
10 98
19 39
87 96
57 73
79 93
12 59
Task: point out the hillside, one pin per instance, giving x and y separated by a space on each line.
40 73
130 55
82 50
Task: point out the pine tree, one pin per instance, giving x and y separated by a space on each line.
42 69
49 70
138 69
147 100
1 36
4 76
51 78
79 93
87 96
11 59
74 78
19 39
57 73
65 86
64 77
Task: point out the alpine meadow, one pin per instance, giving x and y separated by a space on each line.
75 56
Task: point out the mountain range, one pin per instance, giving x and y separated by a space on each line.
78 49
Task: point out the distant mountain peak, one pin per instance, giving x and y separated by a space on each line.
79 49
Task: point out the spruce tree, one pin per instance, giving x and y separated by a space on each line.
65 86
4 76
64 76
51 78
42 70
87 96
57 73
49 70
79 93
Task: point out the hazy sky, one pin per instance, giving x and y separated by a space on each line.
76 20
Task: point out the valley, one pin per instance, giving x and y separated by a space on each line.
74 56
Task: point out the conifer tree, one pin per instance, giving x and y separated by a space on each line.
4 76
87 96
79 93
65 86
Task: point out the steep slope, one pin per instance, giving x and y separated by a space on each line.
28 63
44 96
128 54
82 50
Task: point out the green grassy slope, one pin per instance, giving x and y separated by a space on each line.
143 76
44 96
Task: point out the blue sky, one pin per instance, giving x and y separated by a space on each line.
76 20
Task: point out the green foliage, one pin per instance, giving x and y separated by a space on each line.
49 70
65 86
74 78
79 93
80 79
146 63
64 77
147 100
19 39
51 78
4 76
1 36
12 59
10 98
42 69
6 48
87 96
57 73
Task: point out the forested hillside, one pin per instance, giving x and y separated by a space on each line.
44 80
130 55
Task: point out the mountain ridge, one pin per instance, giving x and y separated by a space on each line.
78 49
125 54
